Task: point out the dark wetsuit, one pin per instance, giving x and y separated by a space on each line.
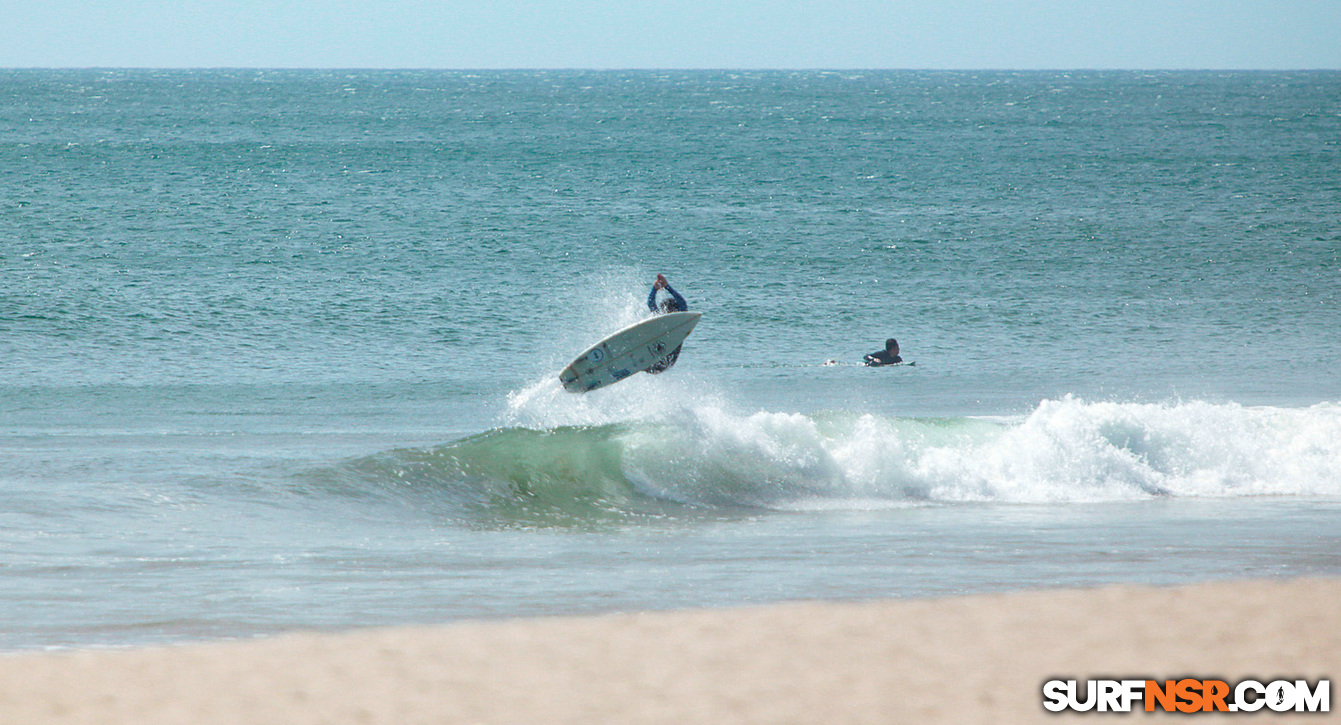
680 306
881 357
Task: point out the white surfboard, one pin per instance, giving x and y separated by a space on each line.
632 349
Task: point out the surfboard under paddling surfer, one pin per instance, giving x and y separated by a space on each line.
674 303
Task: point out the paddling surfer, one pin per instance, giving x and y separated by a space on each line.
888 356
674 303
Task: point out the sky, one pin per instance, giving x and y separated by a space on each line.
673 34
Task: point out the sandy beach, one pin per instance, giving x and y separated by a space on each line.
959 660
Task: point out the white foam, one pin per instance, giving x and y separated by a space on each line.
1066 450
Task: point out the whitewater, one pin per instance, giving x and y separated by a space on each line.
1066 450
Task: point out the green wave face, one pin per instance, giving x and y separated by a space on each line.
707 462
563 476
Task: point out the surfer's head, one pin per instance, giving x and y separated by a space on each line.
668 306
892 346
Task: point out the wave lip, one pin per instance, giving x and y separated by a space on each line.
708 459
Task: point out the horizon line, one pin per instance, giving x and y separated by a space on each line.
682 69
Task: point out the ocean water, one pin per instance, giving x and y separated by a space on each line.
278 349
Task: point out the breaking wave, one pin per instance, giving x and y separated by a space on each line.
706 458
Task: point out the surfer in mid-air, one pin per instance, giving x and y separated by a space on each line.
674 303
888 356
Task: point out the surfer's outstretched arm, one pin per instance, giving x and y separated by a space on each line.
680 304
